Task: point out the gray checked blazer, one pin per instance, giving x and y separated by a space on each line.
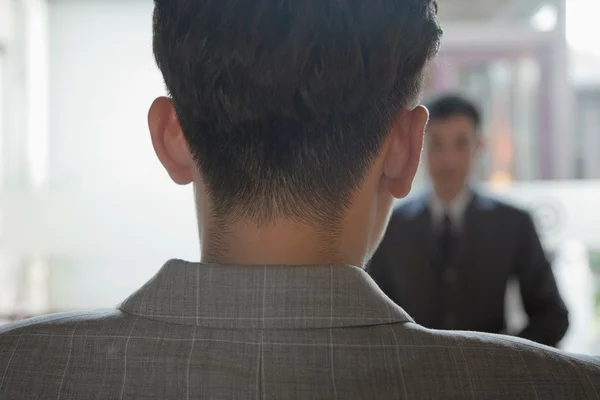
200 331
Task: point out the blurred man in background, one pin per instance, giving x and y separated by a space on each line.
448 254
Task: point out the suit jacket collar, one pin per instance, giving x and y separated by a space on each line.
263 297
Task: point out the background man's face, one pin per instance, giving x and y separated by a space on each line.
451 146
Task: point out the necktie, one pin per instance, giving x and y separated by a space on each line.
446 242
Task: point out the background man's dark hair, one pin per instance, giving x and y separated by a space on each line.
285 103
452 105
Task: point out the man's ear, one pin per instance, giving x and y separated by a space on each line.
403 154
169 143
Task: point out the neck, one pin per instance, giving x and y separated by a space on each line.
278 243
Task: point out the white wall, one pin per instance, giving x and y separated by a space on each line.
6 22
108 217
102 81
120 215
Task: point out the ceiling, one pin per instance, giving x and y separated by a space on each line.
486 10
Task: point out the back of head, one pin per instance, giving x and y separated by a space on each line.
284 104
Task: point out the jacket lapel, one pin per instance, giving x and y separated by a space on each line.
468 231
473 224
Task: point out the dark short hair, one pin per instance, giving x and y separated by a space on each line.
451 105
284 103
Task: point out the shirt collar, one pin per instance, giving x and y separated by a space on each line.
263 297
455 210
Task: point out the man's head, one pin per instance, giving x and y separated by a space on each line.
452 142
295 112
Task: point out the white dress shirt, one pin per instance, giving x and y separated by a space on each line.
455 209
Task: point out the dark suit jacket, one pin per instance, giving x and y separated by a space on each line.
497 242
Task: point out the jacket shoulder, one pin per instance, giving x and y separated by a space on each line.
56 323
36 343
512 366
501 208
